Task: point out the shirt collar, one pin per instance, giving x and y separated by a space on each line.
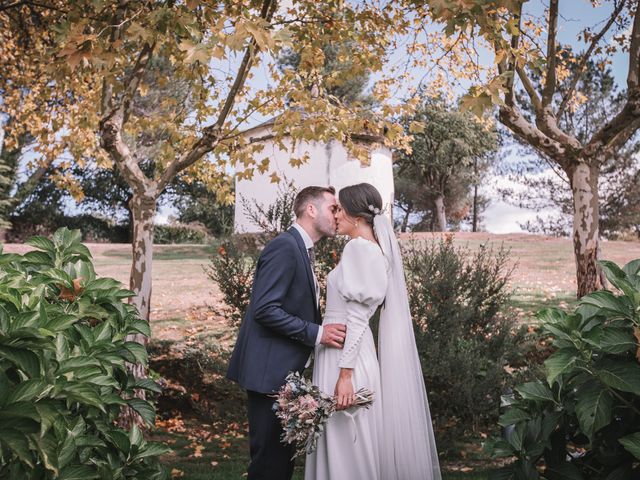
308 243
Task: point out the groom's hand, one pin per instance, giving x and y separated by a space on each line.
333 335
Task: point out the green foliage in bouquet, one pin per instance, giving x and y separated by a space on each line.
63 375
583 421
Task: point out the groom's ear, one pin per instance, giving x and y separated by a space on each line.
311 209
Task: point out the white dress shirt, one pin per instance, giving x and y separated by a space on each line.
308 243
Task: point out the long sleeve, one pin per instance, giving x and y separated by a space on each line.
362 282
274 275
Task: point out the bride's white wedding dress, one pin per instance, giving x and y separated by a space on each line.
394 439
350 445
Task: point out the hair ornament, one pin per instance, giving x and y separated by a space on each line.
374 210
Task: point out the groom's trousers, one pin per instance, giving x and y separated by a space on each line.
270 458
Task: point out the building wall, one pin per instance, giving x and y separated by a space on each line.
329 164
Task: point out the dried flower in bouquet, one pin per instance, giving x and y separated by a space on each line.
303 411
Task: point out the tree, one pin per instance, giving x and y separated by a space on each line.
336 77
96 83
443 152
519 49
616 186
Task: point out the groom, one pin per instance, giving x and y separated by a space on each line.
281 327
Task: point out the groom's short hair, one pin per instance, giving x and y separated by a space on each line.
307 195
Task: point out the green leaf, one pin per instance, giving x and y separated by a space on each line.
632 444
144 409
24 360
515 436
47 447
84 393
618 278
498 448
536 391
39 258
619 374
632 268
20 410
74 363
609 302
560 362
17 442
61 322
135 436
59 276
28 390
513 416
41 243
147 384
594 408
142 327
78 472
616 340
564 471
138 350
152 450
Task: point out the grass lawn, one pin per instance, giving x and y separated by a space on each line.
228 458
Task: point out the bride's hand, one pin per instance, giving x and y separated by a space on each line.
344 393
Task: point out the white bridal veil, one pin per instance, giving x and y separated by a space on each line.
408 444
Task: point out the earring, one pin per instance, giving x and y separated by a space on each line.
357 223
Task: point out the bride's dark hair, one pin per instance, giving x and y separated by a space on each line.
356 199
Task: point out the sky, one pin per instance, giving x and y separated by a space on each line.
501 217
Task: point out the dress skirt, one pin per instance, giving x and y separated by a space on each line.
348 448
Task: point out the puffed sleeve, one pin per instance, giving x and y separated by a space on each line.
362 282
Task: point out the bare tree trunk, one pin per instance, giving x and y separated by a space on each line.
143 210
474 227
405 220
586 235
440 213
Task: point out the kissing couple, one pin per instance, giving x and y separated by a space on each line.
393 439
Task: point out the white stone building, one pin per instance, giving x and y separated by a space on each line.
329 164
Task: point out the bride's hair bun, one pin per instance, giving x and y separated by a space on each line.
361 200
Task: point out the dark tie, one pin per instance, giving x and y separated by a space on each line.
312 258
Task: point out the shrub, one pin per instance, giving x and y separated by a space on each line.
179 233
583 420
464 340
232 269
233 266
63 375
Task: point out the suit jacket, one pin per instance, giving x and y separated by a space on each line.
281 323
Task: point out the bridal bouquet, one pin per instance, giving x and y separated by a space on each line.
303 410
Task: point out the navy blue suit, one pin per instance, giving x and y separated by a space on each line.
276 337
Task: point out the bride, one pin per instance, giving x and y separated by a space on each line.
392 440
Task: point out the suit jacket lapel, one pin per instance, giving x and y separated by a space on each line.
307 266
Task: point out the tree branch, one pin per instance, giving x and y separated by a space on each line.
531 91
211 134
12 5
507 65
111 129
550 84
634 53
513 119
585 58
26 188
617 131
